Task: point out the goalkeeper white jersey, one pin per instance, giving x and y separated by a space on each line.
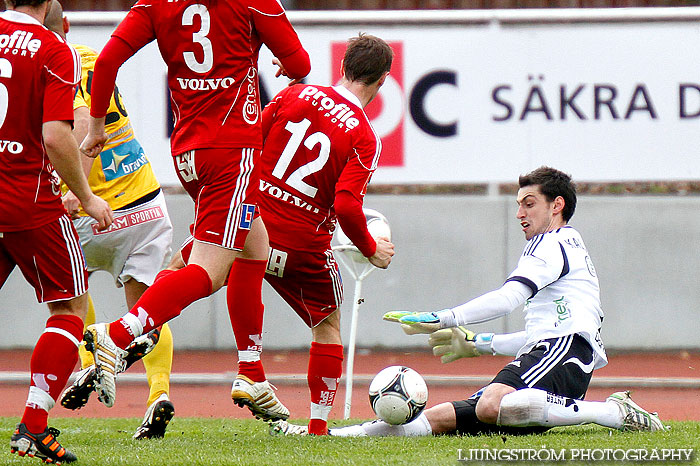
565 292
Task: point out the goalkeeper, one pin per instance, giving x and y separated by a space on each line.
555 354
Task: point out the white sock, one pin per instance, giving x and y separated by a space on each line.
419 427
320 411
534 407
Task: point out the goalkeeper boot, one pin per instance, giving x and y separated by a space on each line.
286 428
109 361
634 417
76 395
44 445
259 398
140 347
157 417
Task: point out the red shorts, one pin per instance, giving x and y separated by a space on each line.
309 282
49 257
224 184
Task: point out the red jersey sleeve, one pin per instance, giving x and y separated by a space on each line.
352 220
135 31
277 33
62 75
350 192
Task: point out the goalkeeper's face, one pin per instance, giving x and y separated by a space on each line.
537 214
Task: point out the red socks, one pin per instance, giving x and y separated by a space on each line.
164 300
245 309
325 369
52 363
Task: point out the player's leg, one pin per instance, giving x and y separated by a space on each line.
56 272
554 378
77 394
244 300
158 364
310 283
325 369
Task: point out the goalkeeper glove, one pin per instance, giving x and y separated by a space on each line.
459 342
414 323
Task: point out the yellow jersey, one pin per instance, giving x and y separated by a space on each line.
122 173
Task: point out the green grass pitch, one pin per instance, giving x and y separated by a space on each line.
215 442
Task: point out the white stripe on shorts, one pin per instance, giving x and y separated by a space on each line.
549 361
335 278
236 207
75 253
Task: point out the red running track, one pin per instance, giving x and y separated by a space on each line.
213 400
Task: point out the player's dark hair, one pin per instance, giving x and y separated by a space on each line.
367 58
11 4
553 183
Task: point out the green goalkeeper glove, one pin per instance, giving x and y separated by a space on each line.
458 342
413 323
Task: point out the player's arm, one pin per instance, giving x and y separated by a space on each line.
135 31
349 197
486 307
80 129
62 151
277 33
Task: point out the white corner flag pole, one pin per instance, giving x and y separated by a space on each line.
358 271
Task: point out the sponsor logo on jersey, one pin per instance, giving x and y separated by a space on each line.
251 106
123 160
208 84
13 147
284 196
19 43
131 219
339 114
386 111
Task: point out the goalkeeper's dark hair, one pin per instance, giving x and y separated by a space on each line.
12 4
553 183
366 59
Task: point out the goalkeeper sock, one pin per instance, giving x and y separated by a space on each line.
325 368
419 427
534 407
245 308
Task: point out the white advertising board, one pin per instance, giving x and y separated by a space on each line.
485 100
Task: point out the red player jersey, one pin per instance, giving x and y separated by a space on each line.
211 49
38 74
318 141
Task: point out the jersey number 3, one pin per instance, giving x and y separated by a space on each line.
296 179
199 37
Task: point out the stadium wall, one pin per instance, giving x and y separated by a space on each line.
478 97
450 249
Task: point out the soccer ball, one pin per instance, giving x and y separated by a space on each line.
377 224
398 394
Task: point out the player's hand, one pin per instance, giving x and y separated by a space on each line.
97 208
71 203
420 322
95 139
413 323
283 72
394 316
453 343
382 256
